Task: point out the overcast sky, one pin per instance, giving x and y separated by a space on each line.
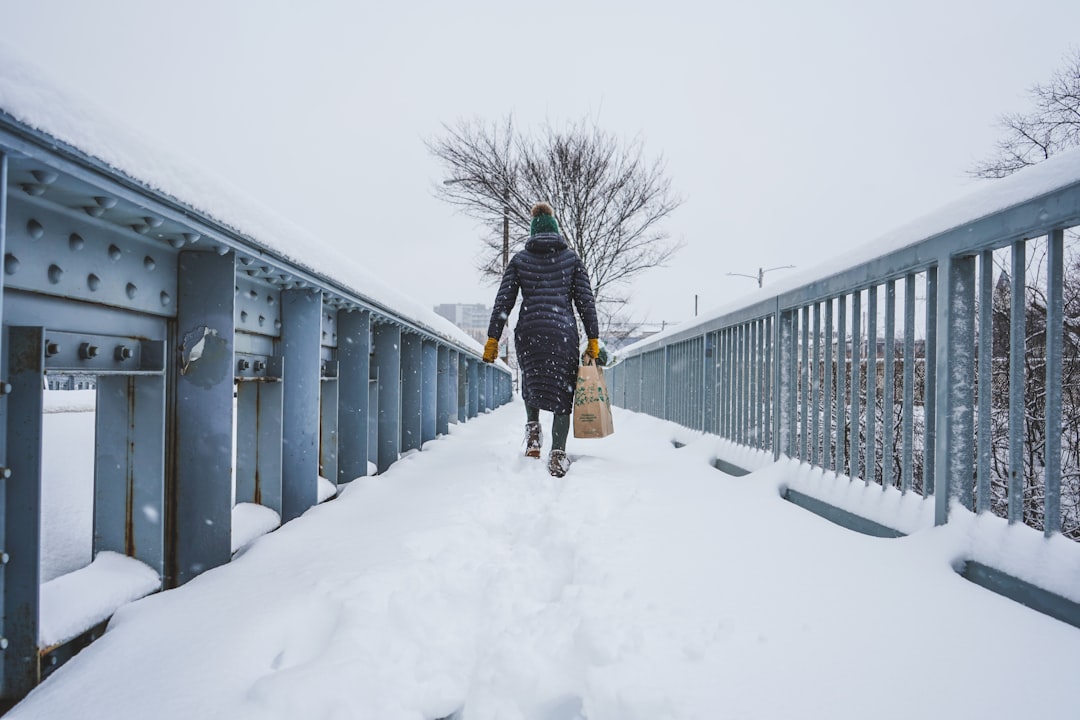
793 130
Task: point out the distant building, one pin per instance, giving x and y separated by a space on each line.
473 319
71 382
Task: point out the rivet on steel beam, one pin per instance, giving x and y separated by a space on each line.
51 348
122 353
221 249
53 660
4 558
34 228
243 316
166 299
104 202
5 473
45 177
253 294
3 643
192 237
277 324
55 273
148 263
93 282
93 210
141 228
245 260
262 320
33 189
269 299
75 241
260 366
153 221
131 291
87 351
243 364
115 253
5 388
11 264
177 242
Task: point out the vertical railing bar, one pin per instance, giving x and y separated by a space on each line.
888 399
744 381
755 385
1054 351
841 385
721 366
729 379
754 366
1017 381
815 390
828 453
792 350
956 416
870 474
763 396
907 465
804 384
780 327
744 358
770 392
763 383
854 412
748 374
930 383
737 370
984 328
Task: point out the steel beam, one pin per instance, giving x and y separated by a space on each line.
443 390
387 343
199 478
129 466
301 335
354 372
412 386
20 478
429 391
259 439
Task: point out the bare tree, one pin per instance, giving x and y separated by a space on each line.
1052 125
609 199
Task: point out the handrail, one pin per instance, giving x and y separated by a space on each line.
788 371
193 325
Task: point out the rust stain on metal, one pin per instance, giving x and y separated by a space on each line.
129 504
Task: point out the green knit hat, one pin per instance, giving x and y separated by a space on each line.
543 219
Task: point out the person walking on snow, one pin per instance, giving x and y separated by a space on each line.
552 280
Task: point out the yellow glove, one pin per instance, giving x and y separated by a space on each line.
491 350
593 348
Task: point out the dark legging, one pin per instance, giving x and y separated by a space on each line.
560 427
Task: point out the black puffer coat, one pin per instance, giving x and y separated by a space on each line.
551 277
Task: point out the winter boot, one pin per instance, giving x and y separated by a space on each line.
558 463
533 439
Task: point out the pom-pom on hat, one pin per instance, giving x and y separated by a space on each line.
543 219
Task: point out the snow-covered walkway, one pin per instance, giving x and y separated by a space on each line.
466 582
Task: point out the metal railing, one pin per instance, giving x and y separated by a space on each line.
181 319
911 367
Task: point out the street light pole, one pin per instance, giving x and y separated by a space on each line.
760 277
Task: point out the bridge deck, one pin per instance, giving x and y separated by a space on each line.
644 584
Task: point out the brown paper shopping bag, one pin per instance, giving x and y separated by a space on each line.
592 405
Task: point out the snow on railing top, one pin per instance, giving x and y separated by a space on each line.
1057 173
31 99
